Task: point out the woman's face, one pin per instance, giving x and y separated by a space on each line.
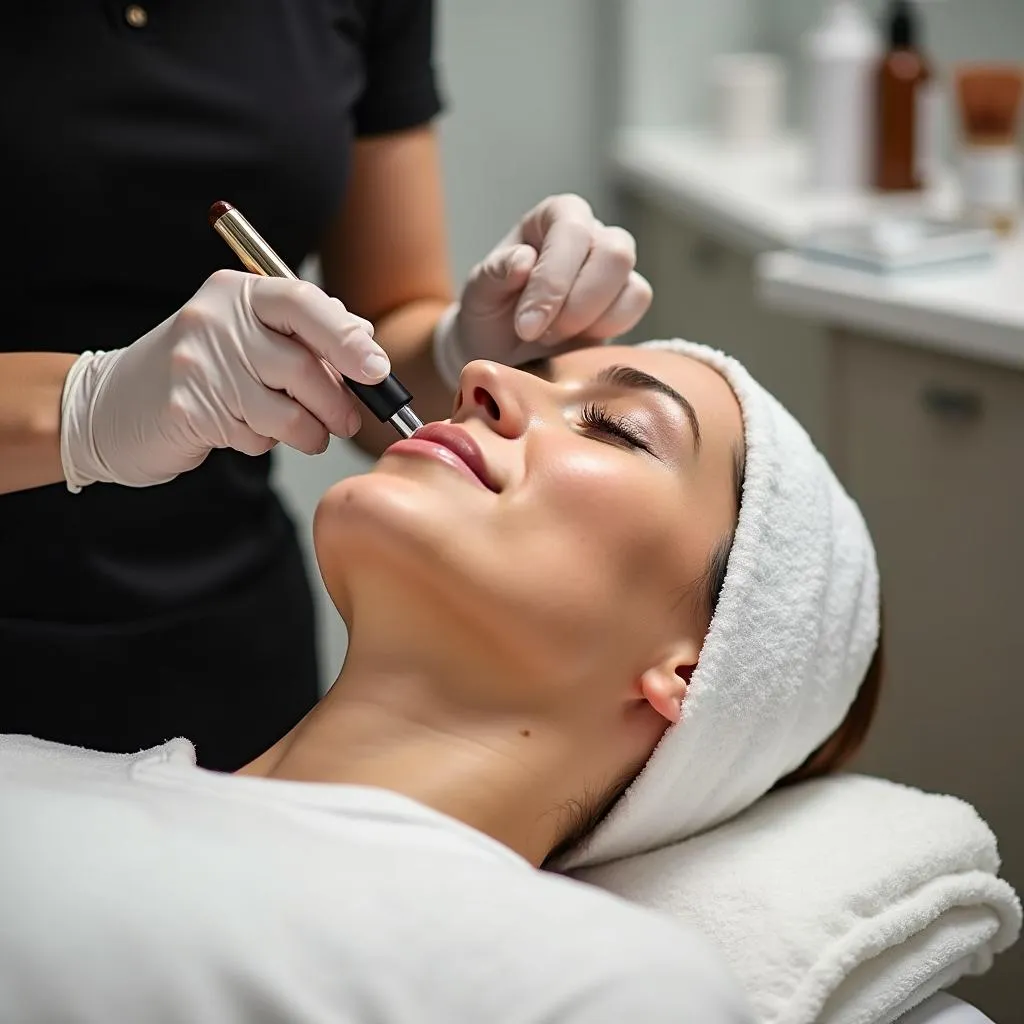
563 519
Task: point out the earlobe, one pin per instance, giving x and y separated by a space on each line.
664 688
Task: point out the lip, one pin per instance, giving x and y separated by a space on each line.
452 445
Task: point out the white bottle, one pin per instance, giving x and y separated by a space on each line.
842 55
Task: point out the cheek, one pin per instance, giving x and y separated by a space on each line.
617 507
609 535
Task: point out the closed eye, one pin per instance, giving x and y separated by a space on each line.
595 418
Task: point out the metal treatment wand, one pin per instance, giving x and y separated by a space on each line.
388 400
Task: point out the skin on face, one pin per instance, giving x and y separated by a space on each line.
570 590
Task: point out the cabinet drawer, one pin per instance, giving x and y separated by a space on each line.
933 446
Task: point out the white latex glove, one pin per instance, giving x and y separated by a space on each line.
559 276
245 363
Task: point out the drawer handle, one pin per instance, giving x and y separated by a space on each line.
958 404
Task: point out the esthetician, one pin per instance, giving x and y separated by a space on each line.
151 583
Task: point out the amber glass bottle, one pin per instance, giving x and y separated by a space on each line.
901 83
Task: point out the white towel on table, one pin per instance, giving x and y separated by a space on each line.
846 900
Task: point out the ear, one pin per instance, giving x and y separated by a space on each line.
664 685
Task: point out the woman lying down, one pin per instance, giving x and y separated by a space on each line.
612 602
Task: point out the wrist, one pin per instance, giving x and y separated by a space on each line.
79 455
449 358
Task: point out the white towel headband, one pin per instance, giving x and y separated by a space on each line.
788 647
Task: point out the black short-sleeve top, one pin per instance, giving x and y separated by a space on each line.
121 124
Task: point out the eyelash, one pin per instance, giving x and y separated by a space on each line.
595 418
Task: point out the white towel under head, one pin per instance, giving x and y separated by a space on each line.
788 647
846 900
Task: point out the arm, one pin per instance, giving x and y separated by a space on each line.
385 256
239 365
30 388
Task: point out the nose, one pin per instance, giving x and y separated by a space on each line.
494 393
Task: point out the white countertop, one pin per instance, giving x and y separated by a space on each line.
976 313
758 202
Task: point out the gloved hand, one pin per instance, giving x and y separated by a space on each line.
246 362
560 275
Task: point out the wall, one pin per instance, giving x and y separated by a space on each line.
530 90
530 99
667 47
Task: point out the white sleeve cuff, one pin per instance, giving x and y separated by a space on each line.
448 356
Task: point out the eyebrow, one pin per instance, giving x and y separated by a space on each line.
632 378
620 376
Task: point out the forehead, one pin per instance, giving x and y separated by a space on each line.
707 391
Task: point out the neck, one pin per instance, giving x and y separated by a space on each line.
417 724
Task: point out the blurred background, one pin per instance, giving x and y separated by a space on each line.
823 190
